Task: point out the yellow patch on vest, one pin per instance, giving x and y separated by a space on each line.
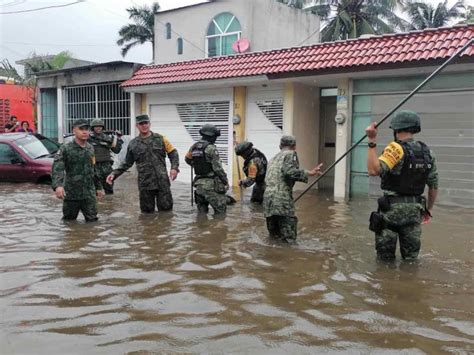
93 160
253 170
392 155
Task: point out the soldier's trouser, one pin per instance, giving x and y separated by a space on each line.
162 199
205 197
282 227
104 169
88 207
257 193
403 222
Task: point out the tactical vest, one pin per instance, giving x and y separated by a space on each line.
200 164
261 169
101 148
417 163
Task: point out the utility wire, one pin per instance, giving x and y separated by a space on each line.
41 8
60 44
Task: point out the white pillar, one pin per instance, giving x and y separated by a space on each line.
341 187
39 117
60 115
133 102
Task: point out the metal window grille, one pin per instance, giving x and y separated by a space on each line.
4 113
273 110
105 101
195 115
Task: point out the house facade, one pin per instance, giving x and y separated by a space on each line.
212 28
324 94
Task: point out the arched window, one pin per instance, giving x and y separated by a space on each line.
168 30
223 31
179 43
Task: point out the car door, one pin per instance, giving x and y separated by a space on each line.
12 165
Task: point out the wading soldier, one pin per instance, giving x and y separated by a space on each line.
104 143
74 177
255 168
405 167
278 206
211 180
149 151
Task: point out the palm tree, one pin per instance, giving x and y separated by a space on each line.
468 16
141 31
352 18
423 15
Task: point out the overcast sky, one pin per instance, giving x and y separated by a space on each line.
87 29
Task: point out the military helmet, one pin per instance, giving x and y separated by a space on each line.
287 141
243 147
97 122
210 130
406 119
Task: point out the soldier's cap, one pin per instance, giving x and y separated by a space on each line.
287 141
243 147
80 123
142 118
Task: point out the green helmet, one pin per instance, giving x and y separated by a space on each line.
243 147
97 122
406 119
210 130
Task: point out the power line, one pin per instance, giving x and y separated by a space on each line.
41 8
60 44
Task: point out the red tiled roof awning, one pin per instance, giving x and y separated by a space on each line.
422 47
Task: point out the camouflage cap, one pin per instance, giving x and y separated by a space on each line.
80 123
287 141
142 118
405 119
97 122
241 148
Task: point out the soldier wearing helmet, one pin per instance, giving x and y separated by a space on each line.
211 181
406 166
255 168
103 144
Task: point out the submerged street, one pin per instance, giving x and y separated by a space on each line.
179 282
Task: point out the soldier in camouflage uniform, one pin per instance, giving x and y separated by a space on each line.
278 206
405 167
104 143
149 151
211 180
74 176
255 168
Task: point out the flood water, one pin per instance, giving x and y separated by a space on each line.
178 283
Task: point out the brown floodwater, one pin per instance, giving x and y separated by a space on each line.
177 282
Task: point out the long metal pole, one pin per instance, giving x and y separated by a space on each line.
238 170
192 186
408 97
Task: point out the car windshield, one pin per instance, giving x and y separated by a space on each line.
52 146
33 147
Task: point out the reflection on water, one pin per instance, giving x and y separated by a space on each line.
179 282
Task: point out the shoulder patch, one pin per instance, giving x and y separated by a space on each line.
392 155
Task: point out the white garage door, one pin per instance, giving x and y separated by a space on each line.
181 122
264 123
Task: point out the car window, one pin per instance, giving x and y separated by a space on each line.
32 147
51 145
7 154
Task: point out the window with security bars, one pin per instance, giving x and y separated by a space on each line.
273 110
195 115
105 101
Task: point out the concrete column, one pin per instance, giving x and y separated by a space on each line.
39 116
341 187
240 109
288 108
60 115
132 114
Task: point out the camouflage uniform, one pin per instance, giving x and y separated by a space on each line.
278 206
403 219
103 144
74 169
210 188
255 169
153 182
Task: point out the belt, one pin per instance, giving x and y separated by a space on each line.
405 199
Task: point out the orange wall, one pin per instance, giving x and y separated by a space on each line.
16 100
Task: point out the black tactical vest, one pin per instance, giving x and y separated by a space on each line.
262 170
101 144
200 165
417 163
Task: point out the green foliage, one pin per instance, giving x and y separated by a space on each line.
425 15
141 31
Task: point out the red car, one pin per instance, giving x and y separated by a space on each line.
26 157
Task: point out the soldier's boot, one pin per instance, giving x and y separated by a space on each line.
71 209
218 202
386 244
89 209
201 203
273 226
410 242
